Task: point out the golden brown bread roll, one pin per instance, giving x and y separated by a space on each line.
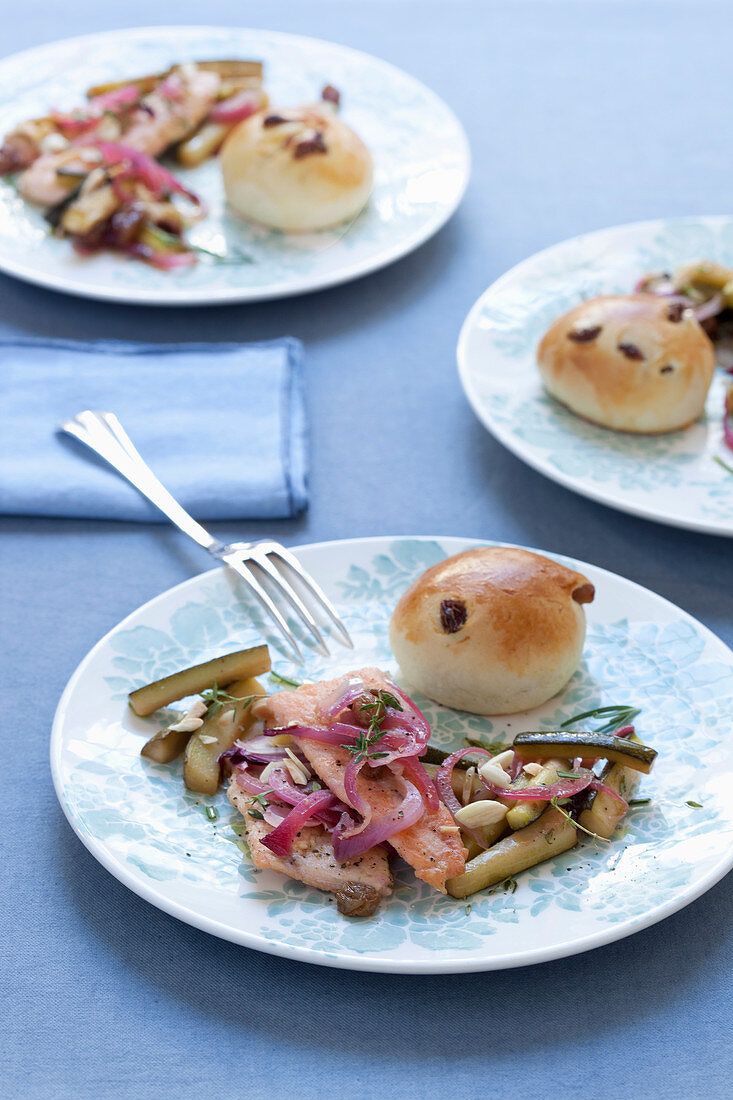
491 631
633 362
297 170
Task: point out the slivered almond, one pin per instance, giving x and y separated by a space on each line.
502 759
448 829
532 769
207 739
495 774
468 785
296 772
484 812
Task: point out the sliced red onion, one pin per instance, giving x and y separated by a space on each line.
708 309
280 840
166 261
116 99
624 731
414 771
351 775
564 788
156 178
348 845
354 688
444 773
236 108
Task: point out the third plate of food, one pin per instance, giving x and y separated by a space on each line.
673 459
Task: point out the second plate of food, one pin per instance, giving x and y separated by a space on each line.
358 202
187 853
680 477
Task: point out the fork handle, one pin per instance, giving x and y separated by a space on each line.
103 434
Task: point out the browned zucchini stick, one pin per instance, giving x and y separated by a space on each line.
604 813
227 70
226 722
621 750
224 670
548 836
167 744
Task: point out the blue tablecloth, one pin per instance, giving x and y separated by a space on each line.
581 115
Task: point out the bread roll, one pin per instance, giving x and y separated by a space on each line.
298 171
491 631
633 362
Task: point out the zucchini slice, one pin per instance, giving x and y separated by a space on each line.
604 746
548 836
192 681
522 814
218 733
604 813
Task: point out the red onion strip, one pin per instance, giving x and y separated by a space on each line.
280 840
347 845
236 108
564 788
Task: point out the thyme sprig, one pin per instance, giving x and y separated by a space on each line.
716 458
494 747
576 824
215 698
611 717
375 709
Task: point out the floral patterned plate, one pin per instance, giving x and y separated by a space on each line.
420 152
669 478
137 819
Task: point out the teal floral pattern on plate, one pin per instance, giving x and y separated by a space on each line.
671 478
138 819
420 155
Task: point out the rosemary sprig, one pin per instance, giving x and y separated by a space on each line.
612 718
576 824
289 681
375 708
725 465
693 805
639 802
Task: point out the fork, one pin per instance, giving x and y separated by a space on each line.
252 561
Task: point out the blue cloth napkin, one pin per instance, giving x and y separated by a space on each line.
222 425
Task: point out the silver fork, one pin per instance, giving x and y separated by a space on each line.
103 434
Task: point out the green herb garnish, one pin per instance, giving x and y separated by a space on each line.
723 464
375 708
212 813
215 698
567 775
256 814
612 718
694 805
509 885
639 802
468 909
289 681
576 824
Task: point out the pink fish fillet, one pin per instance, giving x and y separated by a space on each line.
435 854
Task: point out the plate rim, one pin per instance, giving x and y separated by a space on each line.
368 963
232 295
507 440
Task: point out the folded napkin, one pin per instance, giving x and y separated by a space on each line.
222 425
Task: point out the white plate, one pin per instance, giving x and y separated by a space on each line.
669 478
140 823
420 152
